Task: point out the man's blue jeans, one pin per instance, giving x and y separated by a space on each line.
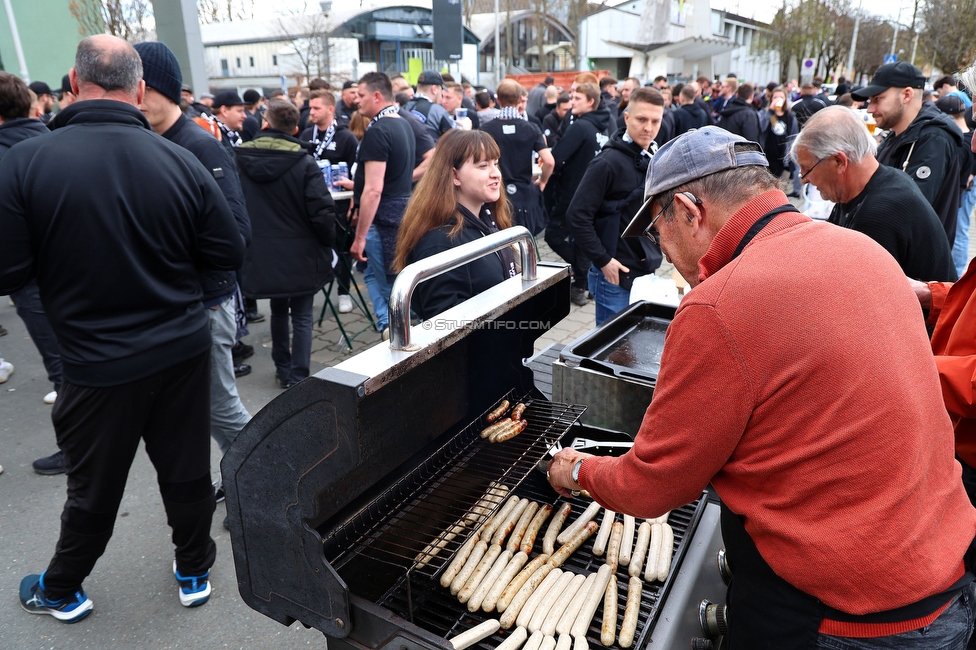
960 247
375 276
951 631
609 298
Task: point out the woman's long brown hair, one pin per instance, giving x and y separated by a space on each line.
434 201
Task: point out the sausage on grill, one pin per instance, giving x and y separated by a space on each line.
587 516
462 556
613 548
567 549
513 587
528 539
602 537
475 634
474 581
562 603
640 549
556 525
461 578
565 624
629 627
627 541
511 569
498 412
609 630
514 640
527 589
515 539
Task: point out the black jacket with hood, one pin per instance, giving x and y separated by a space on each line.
115 222
292 218
17 129
574 151
611 192
216 285
928 152
741 118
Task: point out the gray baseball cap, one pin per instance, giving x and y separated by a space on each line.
690 156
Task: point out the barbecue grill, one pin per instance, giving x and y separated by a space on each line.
342 488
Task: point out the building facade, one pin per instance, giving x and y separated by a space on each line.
679 40
391 36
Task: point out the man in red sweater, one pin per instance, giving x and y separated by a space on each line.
813 407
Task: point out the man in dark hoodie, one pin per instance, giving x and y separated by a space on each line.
134 338
739 116
293 220
611 192
572 155
15 126
689 114
922 141
161 107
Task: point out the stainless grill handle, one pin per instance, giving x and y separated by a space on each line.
429 267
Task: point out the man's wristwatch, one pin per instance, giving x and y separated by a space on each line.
576 470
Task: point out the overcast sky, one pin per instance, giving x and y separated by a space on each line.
764 10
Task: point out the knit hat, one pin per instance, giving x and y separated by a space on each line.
160 69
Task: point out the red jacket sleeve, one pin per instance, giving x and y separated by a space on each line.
676 453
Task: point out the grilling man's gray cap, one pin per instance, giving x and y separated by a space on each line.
697 153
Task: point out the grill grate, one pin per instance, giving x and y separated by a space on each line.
396 527
427 604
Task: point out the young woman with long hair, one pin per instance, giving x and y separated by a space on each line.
458 200
777 138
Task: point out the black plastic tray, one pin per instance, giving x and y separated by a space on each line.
628 345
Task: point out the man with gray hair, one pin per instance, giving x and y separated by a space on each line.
117 248
812 406
882 202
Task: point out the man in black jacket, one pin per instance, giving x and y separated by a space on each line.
739 116
837 154
552 121
689 114
162 74
252 115
611 192
808 104
581 142
121 289
293 217
922 141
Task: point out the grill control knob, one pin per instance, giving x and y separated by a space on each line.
724 569
713 619
699 643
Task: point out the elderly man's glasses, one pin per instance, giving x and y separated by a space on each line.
803 177
653 234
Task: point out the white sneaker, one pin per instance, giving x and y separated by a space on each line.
6 369
345 304
51 397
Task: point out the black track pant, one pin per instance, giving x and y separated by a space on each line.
99 430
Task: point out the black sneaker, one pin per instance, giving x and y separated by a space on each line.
50 465
242 370
241 351
254 317
577 296
66 610
218 486
3 331
282 383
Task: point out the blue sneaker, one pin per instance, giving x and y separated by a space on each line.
194 590
66 610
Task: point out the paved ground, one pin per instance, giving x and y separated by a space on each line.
136 604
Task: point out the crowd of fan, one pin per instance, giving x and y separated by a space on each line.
570 162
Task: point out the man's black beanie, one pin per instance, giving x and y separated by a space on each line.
160 69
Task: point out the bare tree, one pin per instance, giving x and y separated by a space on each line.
219 11
123 18
308 37
541 10
949 37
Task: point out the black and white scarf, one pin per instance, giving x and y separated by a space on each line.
326 139
509 113
389 110
232 136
